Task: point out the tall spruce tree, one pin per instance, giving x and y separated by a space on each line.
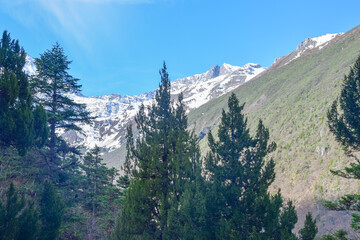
344 123
238 203
16 104
52 85
161 162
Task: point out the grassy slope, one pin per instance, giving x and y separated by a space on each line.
292 101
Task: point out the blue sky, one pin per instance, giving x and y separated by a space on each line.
118 46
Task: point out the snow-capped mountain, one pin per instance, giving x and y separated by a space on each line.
114 112
201 88
307 45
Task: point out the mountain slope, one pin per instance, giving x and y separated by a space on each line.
292 98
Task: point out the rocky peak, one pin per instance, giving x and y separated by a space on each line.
310 43
227 68
213 72
304 47
306 43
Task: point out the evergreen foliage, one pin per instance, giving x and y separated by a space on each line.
52 85
19 219
161 164
29 223
16 104
51 214
239 205
310 229
100 196
344 123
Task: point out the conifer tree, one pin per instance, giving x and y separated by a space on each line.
16 103
19 220
238 204
53 85
161 163
310 229
51 214
344 123
99 193
29 223
190 219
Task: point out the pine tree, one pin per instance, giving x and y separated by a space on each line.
310 229
19 219
160 163
51 214
190 219
238 202
52 86
14 204
344 123
16 103
99 193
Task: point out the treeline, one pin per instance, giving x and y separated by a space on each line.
51 190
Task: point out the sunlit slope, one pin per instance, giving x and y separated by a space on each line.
293 100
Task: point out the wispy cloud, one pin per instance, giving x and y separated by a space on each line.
67 18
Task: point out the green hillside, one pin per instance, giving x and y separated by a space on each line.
292 101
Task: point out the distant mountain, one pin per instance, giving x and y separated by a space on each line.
115 112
